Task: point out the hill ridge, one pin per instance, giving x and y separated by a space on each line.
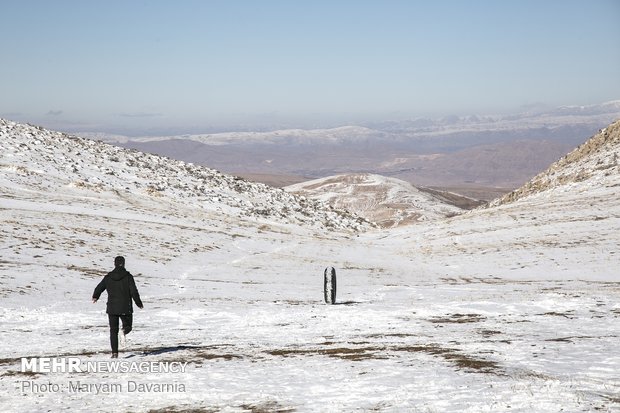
389 202
31 152
596 158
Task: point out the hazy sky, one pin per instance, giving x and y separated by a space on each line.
146 66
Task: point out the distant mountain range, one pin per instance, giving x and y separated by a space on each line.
456 151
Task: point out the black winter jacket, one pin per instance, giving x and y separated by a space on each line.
121 289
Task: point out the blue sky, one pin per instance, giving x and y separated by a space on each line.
180 66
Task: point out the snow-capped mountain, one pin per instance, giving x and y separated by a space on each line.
401 130
339 135
389 202
508 308
530 119
611 107
488 151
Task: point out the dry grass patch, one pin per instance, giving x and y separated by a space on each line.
345 353
458 319
460 360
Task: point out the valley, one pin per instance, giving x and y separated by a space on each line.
512 307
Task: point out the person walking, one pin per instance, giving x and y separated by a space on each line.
121 288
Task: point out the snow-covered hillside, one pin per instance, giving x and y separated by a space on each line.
510 308
389 202
593 164
36 159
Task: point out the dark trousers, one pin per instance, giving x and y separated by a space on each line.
127 320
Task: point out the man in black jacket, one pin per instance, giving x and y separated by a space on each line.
121 290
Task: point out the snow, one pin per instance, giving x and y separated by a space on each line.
389 202
509 308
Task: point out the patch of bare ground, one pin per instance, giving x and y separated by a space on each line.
200 356
472 364
181 409
262 407
267 407
526 374
488 333
398 335
295 302
566 314
345 353
460 360
457 319
91 272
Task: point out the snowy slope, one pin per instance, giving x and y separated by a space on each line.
387 201
510 308
78 167
567 216
595 163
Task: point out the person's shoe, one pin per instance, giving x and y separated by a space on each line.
122 340
114 355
